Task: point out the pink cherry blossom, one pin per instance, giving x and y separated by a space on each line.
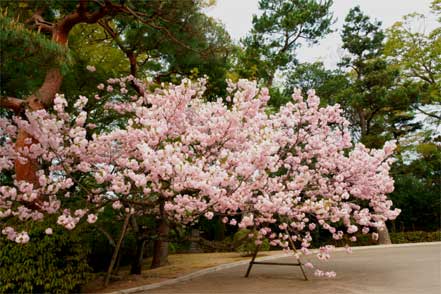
91 218
283 173
117 205
22 238
209 215
91 68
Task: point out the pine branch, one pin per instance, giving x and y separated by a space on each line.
427 113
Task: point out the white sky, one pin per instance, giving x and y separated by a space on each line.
237 16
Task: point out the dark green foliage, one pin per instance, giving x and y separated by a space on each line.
398 238
54 263
278 98
329 85
362 37
419 204
415 237
277 32
169 40
25 56
418 189
213 229
178 41
374 98
246 245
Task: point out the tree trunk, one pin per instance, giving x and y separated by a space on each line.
160 247
363 122
25 170
116 251
136 267
383 236
195 238
42 98
270 80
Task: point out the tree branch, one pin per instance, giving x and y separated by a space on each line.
105 25
12 103
83 15
137 202
108 236
159 28
128 52
40 22
427 113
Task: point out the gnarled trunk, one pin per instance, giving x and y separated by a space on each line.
44 96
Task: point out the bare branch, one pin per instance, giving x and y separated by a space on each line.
86 16
128 52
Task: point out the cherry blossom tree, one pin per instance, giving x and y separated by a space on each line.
176 157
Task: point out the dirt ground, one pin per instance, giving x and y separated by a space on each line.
180 264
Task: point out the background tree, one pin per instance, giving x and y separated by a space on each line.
329 84
373 99
417 187
54 20
417 53
278 32
48 46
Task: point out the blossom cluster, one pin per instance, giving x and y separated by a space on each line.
179 157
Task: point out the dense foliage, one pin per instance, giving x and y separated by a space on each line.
55 263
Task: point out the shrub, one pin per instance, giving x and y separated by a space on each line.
414 237
54 263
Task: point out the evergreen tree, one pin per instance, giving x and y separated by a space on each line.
46 43
278 32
